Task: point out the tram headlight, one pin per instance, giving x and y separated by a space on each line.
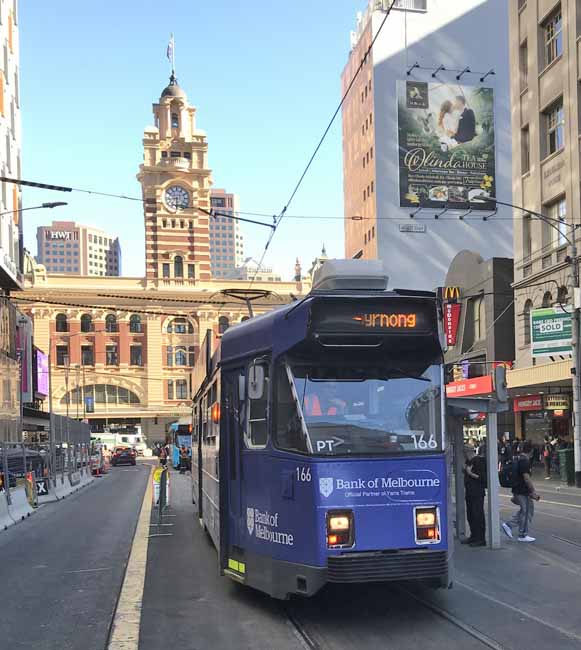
427 525
340 531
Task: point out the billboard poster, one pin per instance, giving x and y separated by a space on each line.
446 145
41 366
551 331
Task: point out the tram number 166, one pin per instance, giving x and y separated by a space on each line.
420 441
303 474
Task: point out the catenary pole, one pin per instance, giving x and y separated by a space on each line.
576 370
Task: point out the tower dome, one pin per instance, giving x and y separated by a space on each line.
173 89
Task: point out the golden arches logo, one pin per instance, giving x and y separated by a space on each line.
451 293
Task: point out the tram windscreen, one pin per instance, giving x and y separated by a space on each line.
368 410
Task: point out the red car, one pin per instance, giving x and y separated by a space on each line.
124 456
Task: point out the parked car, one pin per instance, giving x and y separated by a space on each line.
124 456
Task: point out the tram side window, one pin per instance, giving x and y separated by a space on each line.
289 433
256 433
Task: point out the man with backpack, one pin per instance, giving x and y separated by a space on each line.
523 495
474 486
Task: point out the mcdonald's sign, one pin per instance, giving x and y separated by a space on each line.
451 294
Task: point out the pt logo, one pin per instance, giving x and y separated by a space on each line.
250 520
326 486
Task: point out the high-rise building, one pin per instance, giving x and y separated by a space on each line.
426 133
175 181
250 270
69 247
546 109
226 239
10 149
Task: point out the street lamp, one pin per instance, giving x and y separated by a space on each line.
50 205
573 259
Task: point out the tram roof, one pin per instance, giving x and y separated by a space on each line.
280 329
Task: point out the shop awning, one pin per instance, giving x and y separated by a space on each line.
547 373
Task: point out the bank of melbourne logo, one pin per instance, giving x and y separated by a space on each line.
326 486
250 520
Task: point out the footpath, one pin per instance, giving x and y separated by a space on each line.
525 595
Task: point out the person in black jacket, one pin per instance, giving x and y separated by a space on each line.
467 123
474 487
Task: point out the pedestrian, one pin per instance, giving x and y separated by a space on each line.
547 456
523 495
474 488
163 456
184 458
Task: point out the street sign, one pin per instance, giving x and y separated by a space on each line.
528 403
551 331
42 486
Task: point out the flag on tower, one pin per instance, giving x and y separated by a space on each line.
170 48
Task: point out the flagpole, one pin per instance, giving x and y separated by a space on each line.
173 56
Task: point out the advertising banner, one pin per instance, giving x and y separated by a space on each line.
470 387
551 331
556 402
446 145
24 349
41 374
451 321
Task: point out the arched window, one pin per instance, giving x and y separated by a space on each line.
111 323
169 355
192 356
547 299
178 266
175 121
181 356
170 388
135 326
180 326
527 321
223 324
101 394
62 324
86 323
562 295
181 389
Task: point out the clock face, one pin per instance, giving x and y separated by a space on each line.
177 197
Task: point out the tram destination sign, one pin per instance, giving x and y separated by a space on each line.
375 316
551 331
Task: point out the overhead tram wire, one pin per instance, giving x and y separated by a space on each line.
277 220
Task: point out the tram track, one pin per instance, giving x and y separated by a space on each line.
318 640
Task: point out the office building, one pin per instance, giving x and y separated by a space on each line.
69 247
10 149
426 136
250 270
226 239
544 62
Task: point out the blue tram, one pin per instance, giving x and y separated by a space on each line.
319 443
180 435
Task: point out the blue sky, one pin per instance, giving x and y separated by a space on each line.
265 79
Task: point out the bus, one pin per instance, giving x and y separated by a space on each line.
180 435
319 448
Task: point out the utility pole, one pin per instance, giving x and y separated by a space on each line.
51 419
576 369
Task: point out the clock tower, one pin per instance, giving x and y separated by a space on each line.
175 182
